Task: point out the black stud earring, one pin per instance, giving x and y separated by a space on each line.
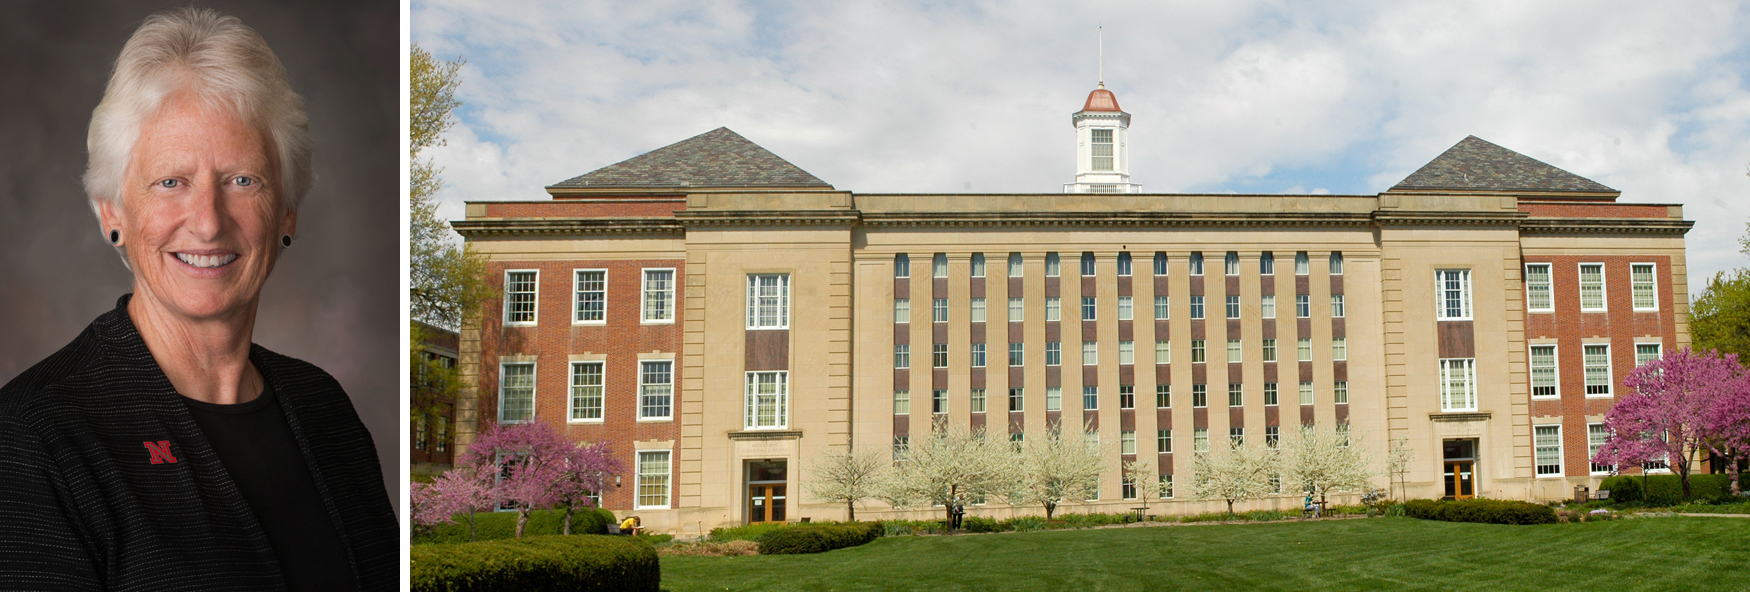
115 237
285 240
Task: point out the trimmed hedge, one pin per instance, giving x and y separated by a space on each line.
1667 490
502 525
537 564
1481 510
817 538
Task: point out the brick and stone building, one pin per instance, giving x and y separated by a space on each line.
722 317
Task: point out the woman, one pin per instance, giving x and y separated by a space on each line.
161 450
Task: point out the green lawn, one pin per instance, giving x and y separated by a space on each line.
1372 554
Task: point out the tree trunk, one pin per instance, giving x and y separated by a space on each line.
1049 508
1230 508
1732 475
1683 475
851 510
522 518
471 536
568 510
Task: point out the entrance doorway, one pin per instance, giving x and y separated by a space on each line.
1460 474
766 500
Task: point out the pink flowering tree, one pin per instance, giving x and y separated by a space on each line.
587 468
457 491
529 460
1665 415
1727 423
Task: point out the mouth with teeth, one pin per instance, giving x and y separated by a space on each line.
206 261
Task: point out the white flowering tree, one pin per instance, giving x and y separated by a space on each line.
1058 467
1320 462
849 476
949 462
1397 462
1232 474
1146 477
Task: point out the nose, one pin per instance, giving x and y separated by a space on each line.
206 211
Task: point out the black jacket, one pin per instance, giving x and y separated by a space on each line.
90 501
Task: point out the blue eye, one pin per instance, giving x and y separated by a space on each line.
168 183
245 181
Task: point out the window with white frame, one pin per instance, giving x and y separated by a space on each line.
1270 394
1233 306
519 296
653 479
1163 396
939 265
1453 294
1597 369
977 355
1199 395
1054 353
591 296
516 392
1267 263
1090 353
902 310
1196 307
1127 397
1200 439
1161 307
1197 352
1236 396
1306 393
1544 374
1087 264
939 310
939 401
902 402
1163 352
1340 392
1538 297
1167 486
977 405
1126 353
1014 265
902 266
656 390
1017 399
768 400
1272 436
1643 288
1303 349
901 356
1100 141
978 265
1053 266
1269 350
1054 398
1458 384
977 315
1591 287
659 295
1234 354
586 391
1053 309
1343 435
1301 266
1302 306
1547 439
1646 352
1015 311
1127 442
1160 264
1164 441
1124 263
1596 436
1231 263
1336 306
900 445
1126 308
1336 263
1339 349
1197 263
938 355
768 301
1236 437
1090 306
1267 306
419 438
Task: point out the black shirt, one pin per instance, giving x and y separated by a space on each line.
256 446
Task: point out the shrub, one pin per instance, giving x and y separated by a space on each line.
502 525
1024 524
537 564
1481 510
710 549
978 524
745 532
1666 490
1623 488
818 538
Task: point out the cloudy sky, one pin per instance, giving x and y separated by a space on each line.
1248 97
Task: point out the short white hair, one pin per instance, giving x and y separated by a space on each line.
227 65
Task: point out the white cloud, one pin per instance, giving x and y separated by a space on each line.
1232 96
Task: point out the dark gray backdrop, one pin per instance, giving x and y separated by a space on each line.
333 300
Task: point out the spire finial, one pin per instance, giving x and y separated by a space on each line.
1102 34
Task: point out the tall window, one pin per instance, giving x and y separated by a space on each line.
1053 353
977 401
978 265
656 390
1543 371
1053 309
768 400
1197 263
938 355
586 391
1087 264
1199 395
1197 352
1015 353
977 355
1537 288
1336 306
1127 485
1302 306
1458 384
1053 266
1090 398
1340 392
1160 264
1196 307
658 295
591 294
1591 286
1646 352
1124 263
1235 395
1267 263
1090 353
1267 306
1234 354
939 310
900 445
901 356
1303 349
902 310
1163 352
1200 439
902 402
1015 311
516 392
1597 361
1270 394
939 265
977 315
1336 263
1161 307
1269 350
1236 437
1127 397
1014 265
1054 398
519 297
1126 353
1231 263
1596 436
1163 396
653 479
1164 441
1643 287
1453 291
1272 436
1339 349
939 401
1101 142
1090 305
768 301
418 433
1300 264
1127 443
1126 308
1233 306
1167 486
1306 393
1017 400
902 265
1548 441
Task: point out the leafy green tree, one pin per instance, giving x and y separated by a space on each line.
1720 318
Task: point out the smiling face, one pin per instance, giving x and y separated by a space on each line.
201 215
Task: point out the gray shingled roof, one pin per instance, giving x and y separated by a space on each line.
1474 163
717 158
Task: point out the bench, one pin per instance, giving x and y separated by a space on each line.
1602 494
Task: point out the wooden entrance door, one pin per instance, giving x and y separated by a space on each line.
765 503
1460 479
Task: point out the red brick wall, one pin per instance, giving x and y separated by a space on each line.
586 209
553 339
1594 210
1619 322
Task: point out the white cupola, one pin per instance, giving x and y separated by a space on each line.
1102 154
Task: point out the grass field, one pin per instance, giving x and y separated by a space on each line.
1374 554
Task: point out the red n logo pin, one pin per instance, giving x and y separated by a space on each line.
160 452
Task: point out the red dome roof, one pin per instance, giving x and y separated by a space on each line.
1101 100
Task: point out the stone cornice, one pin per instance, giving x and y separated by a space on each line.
1572 226
501 227
694 218
1112 219
1460 416
1447 218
